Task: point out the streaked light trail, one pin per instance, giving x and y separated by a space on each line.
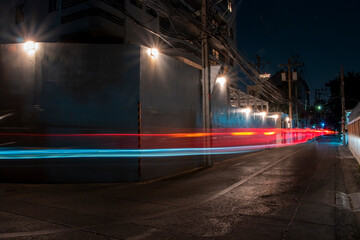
121 153
224 141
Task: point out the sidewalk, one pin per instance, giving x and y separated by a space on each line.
348 195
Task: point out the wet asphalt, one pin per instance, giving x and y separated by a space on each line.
285 193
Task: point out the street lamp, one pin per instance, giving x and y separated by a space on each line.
30 47
221 81
153 52
319 107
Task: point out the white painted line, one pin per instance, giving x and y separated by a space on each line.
34 233
239 164
4 144
6 115
235 185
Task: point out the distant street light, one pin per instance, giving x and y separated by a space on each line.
246 111
275 116
319 107
262 114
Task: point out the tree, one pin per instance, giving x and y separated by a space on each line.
352 97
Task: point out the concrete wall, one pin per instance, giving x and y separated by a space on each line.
90 86
73 88
94 88
17 72
170 95
97 88
354 132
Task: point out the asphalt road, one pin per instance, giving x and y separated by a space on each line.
287 193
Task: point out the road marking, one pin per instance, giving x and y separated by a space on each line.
34 233
224 191
3 144
235 185
239 164
6 115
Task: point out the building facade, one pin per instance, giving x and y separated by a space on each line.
91 70
172 26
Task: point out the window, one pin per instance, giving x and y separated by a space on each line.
214 23
19 13
213 63
216 53
189 41
137 3
151 12
229 6
231 33
53 5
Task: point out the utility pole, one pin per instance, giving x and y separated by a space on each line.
290 64
205 82
290 100
296 104
343 117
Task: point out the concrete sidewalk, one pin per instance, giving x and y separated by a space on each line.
348 195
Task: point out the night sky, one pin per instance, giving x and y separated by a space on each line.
325 33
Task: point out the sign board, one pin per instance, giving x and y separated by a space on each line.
294 76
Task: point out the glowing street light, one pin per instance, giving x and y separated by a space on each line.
153 52
262 114
221 81
275 116
245 110
30 47
319 107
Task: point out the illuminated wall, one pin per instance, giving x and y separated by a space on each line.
103 88
354 132
98 88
